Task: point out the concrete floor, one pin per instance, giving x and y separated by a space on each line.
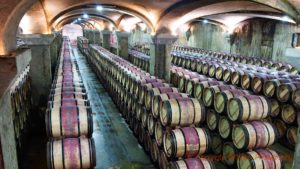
116 146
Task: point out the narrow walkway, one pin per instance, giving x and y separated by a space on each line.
116 146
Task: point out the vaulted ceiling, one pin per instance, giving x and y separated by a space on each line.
161 16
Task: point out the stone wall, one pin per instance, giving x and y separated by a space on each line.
137 36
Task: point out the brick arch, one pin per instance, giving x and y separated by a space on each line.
11 16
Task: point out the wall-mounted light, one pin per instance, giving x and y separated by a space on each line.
85 16
205 21
99 8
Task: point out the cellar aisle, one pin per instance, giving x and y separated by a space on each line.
116 146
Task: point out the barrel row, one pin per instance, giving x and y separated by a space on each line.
69 122
196 52
212 120
271 83
20 100
225 128
83 44
220 125
142 48
134 91
140 60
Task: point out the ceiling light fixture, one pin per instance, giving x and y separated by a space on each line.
85 16
99 8
286 18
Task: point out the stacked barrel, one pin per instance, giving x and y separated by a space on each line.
165 121
83 44
20 95
180 51
237 111
139 59
69 122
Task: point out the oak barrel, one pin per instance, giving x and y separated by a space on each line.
182 112
209 93
248 107
186 142
75 153
221 98
230 153
157 91
212 119
270 86
193 163
255 134
158 100
261 158
289 113
284 91
69 121
199 87
291 135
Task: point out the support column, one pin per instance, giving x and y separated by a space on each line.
40 72
105 35
160 55
98 37
123 44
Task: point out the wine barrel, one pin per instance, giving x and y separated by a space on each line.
227 74
76 153
138 111
209 93
261 158
246 80
220 72
190 84
258 81
256 134
236 76
248 107
155 151
150 124
270 86
284 91
186 142
225 127
275 108
221 98
158 100
144 119
147 141
198 87
296 98
193 163
230 154
68 95
289 113
136 86
157 91
216 143
66 84
70 121
184 79
149 86
212 119
163 161
182 112
291 135
281 127
159 132
69 102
